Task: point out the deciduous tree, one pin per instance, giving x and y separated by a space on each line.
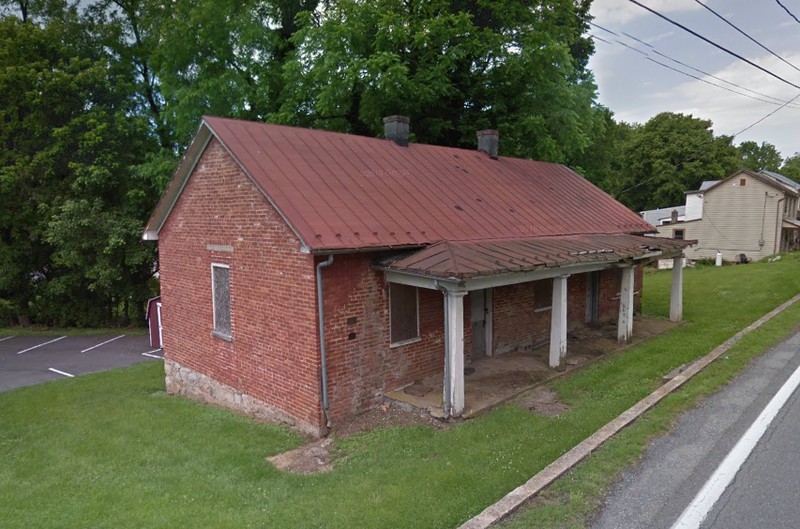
670 154
453 67
756 157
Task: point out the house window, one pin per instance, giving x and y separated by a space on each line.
403 313
542 295
742 181
678 234
221 288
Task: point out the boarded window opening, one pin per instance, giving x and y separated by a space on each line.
221 286
404 313
742 181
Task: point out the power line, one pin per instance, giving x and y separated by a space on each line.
768 115
706 81
775 100
787 10
595 37
722 48
731 24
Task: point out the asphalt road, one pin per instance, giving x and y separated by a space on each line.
765 491
28 360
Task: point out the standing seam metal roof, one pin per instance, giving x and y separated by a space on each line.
471 259
341 191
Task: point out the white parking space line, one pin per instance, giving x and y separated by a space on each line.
696 512
151 355
40 345
6 338
107 341
61 372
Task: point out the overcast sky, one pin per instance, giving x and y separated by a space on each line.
636 89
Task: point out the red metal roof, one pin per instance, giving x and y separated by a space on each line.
346 192
465 260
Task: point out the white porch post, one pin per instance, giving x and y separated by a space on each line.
558 322
454 353
676 292
625 326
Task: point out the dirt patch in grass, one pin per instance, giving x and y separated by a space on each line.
311 458
316 456
544 401
388 416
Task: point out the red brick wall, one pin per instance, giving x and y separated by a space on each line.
517 326
274 353
361 362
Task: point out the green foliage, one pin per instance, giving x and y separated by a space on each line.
791 167
671 154
453 67
756 157
602 163
72 207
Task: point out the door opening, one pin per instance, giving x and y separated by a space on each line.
481 322
592 297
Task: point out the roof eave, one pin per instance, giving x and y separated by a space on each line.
176 184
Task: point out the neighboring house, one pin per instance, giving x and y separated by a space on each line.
748 213
304 273
692 210
657 217
694 201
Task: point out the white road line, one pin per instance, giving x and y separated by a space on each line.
695 513
40 345
151 355
6 338
107 341
61 372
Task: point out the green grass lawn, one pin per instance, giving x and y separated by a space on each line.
35 330
112 450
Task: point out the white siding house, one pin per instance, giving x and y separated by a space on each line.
747 213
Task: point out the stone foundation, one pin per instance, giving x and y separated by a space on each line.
188 383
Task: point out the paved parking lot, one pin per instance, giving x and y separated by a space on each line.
28 360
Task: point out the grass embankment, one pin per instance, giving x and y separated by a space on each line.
112 450
35 330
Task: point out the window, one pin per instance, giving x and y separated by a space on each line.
221 288
542 295
743 182
678 234
403 313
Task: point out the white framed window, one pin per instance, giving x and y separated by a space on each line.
403 314
221 299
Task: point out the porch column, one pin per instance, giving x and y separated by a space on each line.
625 326
558 322
454 353
676 292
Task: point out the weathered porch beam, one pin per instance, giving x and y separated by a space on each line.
558 322
454 353
625 325
676 291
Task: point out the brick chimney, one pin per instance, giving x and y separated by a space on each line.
395 128
488 141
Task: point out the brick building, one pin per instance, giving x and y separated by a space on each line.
304 273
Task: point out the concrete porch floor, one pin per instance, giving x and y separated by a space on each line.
491 381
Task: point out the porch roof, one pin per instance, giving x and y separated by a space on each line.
461 260
791 224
